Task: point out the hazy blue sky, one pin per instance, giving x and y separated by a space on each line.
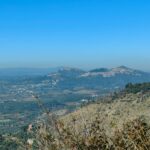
80 33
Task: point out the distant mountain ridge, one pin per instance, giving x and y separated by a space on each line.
100 78
74 80
104 72
112 72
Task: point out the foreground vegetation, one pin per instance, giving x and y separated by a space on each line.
117 122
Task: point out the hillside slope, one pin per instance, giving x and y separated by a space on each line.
115 122
113 114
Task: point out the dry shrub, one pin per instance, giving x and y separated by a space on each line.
44 139
135 135
54 134
92 137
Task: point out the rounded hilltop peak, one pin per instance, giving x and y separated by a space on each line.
123 67
100 70
69 71
66 69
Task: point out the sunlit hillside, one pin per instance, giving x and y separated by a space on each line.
118 121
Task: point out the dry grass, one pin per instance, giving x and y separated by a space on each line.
122 124
115 114
135 135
